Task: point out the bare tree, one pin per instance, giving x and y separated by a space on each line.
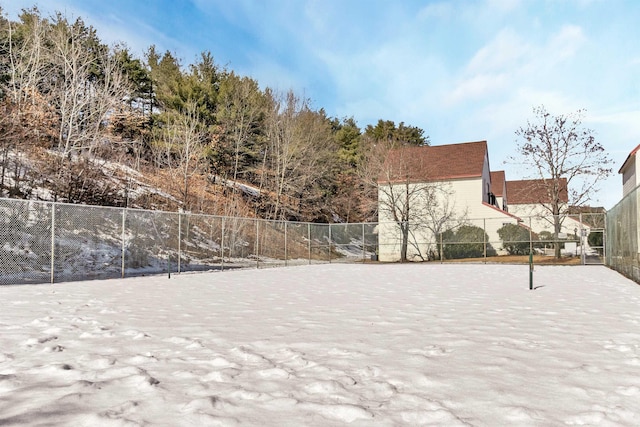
26 116
437 214
565 157
88 85
418 207
183 143
109 94
26 59
299 142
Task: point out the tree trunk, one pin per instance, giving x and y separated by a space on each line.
404 227
557 228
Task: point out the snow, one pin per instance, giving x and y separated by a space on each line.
247 189
326 345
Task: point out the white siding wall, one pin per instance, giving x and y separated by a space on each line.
486 179
539 218
466 199
422 241
629 180
467 194
504 200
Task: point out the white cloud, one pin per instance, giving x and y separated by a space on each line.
507 63
503 6
436 10
479 85
565 43
506 50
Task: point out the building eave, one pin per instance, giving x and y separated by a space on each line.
629 157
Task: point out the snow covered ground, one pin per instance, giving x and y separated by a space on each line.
325 345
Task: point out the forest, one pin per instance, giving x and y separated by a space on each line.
86 122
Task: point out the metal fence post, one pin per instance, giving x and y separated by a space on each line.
286 252
53 241
179 238
309 240
364 252
530 236
484 238
583 257
222 245
330 242
257 243
604 239
124 216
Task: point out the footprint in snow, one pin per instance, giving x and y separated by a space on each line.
430 351
628 391
341 412
136 335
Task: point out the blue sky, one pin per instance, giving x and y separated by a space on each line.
460 70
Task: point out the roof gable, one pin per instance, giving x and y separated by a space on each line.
629 157
497 183
534 191
435 163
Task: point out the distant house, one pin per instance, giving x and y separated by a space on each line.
531 200
464 171
629 172
630 181
531 197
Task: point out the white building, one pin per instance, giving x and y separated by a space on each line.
630 181
629 172
448 186
531 201
446 183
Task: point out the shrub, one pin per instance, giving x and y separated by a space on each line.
595 238
515 239
467 242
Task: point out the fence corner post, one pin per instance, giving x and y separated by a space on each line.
124 245
53 241
179 239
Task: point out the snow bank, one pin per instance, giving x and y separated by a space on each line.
324 345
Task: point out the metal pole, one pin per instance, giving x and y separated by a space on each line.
604 239
330 242
179 239
257 243
286 253
530 270
53 240
484 238
364 252
441 249
222 246
309 240
530 256
124 247
530 237
583 257
168 249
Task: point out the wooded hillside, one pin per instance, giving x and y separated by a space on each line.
84 122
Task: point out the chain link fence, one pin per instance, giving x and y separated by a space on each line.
580 240
622 248
44 242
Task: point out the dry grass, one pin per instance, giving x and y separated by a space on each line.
523 259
